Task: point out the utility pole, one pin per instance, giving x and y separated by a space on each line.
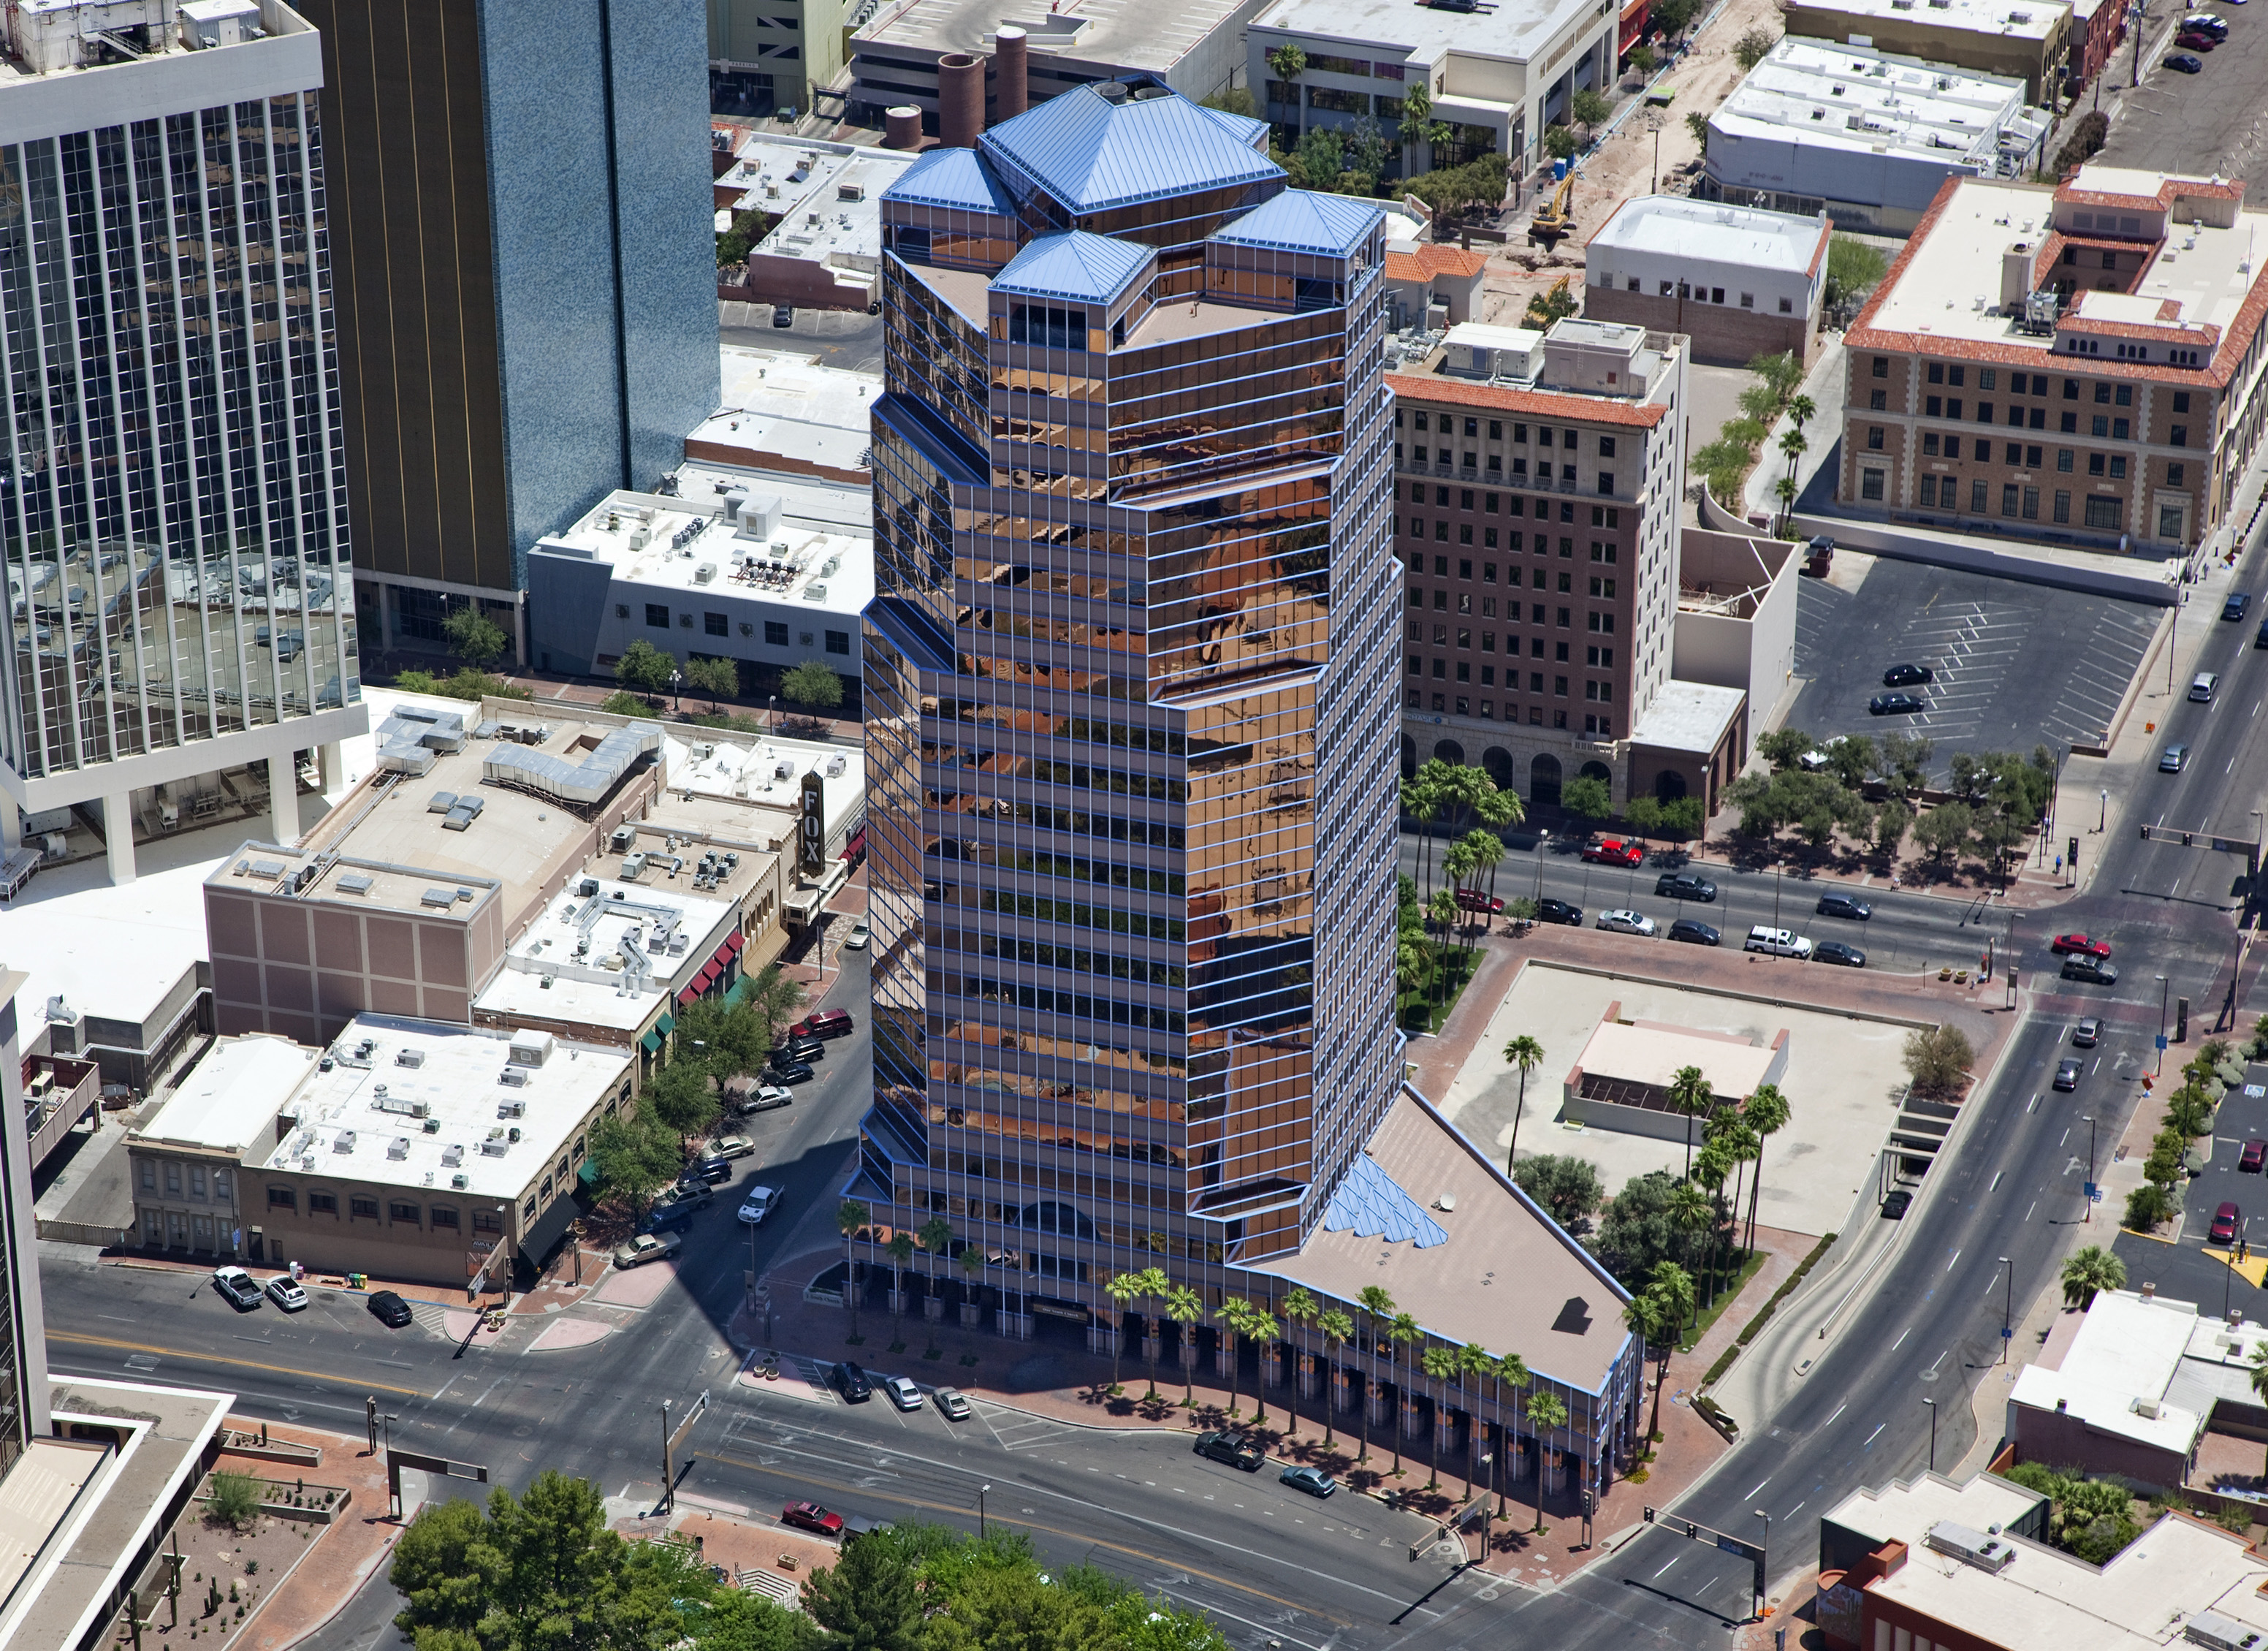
1933 1433
369 1420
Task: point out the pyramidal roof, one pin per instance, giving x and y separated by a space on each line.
1095 268
1300 220
1091 154
950 178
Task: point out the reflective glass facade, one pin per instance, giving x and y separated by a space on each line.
1131 733
174 522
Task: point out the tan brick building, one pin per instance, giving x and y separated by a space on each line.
2079 364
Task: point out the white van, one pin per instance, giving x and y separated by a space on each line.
2201 688
1777 942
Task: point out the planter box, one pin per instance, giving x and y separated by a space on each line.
329 1516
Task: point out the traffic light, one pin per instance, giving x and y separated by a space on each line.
2143 832
2072 858
2181 1020
1648 1516
2189 839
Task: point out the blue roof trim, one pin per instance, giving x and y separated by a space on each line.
1094 268
955 178
1370 1204
1253 134
1300 220
1091 154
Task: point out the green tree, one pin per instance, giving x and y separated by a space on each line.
473 636
629 1156
1440 1365
1376 1306
1586 798
1419 127
2089 1271
1569 1188
1642 59
1944 829
1290 62
1318 160
1367 155
1590 109
814 685
1635 1231
1938 1059
622 703
1559 143
1525 1053
1545 1412
2258 1375
719 679
1261 1329
1232 1316
1892 821
1123 1290
1555 304
1690 1097
1673 18
467 683
1785 748
643 668
683 1099
1691 1211
1766 1113
1299 1309
1697 125
1185 1307
735 1621
1234 100
868 1600
1854 267
1401 1332
1646 1315
233 1499
1337 1330
851 1217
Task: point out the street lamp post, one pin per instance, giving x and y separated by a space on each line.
2009 1311
979 1511
2162 990
1762 1569
1933 1433
676 681
2230 1270
2103 823
771 716
2087 1192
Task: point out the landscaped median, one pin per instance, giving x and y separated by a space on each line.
1749 1331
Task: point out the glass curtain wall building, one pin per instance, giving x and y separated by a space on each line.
174 518
1132 726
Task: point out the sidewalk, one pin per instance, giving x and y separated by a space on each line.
340 1557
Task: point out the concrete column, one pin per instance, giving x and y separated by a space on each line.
282 800
12 825
118 837
334 766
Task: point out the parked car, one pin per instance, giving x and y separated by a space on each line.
2091 968
389 1309
905 1392
2249 1159
759 1203
2087 1033
1776 942
806 1049
731 1146
1481 901
812 1517
2175 759
859 936
1232 1447
677 1203
2202 687
648 1247
1895 704
2225 1222
857 1525
2067 1073
709 1169
851 1381
763 1097
1614 852
2204 22
236 1287
952 1404
286 1293
1894 1204
782 314
1694 933
824 1023
2085 944
1685 886
1558 911
1844 906
2239 601
2189 39
2260 636
795 1073
1313 1481
1625 922
1907 676
2181 62
1835 952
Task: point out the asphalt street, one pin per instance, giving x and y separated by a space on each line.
848 339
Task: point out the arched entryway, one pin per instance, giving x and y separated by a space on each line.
1409 757
1668 785
1497 762
1599 772
1450 752
1543 780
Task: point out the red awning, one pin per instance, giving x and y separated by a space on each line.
688 994
707 977
735 941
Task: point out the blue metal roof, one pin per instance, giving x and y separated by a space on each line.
950 178
1370 1204
1300 220
1091 154
1094 268
1253 134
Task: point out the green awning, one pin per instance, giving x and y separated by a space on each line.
739 991
666 1024
588 1174
651 1042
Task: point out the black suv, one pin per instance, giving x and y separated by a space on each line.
390 1310
795 1073
1694 933
1558 911
851 1383
805 1050
706 1172
1684 886
1844 906
1233 1448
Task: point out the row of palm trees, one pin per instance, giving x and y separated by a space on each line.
1732 1136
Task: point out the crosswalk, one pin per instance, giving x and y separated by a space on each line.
1019 1430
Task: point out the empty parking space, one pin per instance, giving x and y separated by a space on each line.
2014 663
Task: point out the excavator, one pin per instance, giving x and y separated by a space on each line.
1554 216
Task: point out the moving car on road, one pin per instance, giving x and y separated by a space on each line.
1623 922
1895 704
2088 1033
2086 945
236 1287
2175 759
286 1293
2239 601
2090 969
2203 686
2067 1072
1844 906
1614 852
389 1309
759 1203
812 1517
1894 1204
859 935
1234 1448
1694 933
1835 952
1313 1481
1907 676
1685 886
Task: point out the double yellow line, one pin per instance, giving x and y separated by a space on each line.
74 1339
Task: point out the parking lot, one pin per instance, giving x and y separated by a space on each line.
848 339
2015 664
2183 1270
2210 120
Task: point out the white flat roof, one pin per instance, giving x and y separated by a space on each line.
1422 33
790 408
597 985
2129 1350
796 179
1713 231
1687 716
1123 33
348 1129
1813 91
234 1095
767 773
2016 19
1904 1512
1645 1051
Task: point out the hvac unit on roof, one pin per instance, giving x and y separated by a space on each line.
2222 1633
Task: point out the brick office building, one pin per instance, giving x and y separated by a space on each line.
2079 364
1537 476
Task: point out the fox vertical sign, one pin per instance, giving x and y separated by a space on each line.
810 830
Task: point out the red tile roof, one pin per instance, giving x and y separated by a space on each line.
1428 262
1596 410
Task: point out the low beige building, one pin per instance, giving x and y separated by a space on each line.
1622 1078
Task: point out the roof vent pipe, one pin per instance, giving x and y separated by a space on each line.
960 100
1011 71
1110 91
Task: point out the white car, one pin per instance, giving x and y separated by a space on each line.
902 1392
1625 922
285 1294
760 1202
856 940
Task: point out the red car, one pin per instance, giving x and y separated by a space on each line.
2226 1221
2255 1151
1614 852
2080 943
825 1023
1474 900
2188 41
812 1517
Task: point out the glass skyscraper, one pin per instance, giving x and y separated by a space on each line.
172 512
1132 702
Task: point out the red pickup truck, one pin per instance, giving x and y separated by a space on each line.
1614 852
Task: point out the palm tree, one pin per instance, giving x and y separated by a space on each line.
1497 809
935 1236
1122 1290
1689 1211
1484 851
1299 1310
1458 864
1527 1054
972 1262
1375 1304
1262 1329
1473 1363
1442 911
901 1250
1710 1168
1290 62
1440 1364
1337 1330
1767 1114
1673 1286
2087 1272
1420 797
1401 1332
851 1217
1233 1315
1185 1307
1510 1371
1647 1317
1794 446
1155 1286
1689 1095
1544 1411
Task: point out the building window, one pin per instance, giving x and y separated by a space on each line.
1607 447
322 1204
2169 522
1873 437
444 1215
1929 444
1882 369
656 615
283 1199
173 1179
1933 406
2008 493
1787 307
2118 466
2120 431
196 1181
487 1221
838 642
715 625
2181 400
2175 473
1870 484
2031 504
2062 506
2069 424
1976 490
2178 436
2106 512
149 1177
1937 372
357 1205
2063 460
399 1211
1878 401
1929 491
775 634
